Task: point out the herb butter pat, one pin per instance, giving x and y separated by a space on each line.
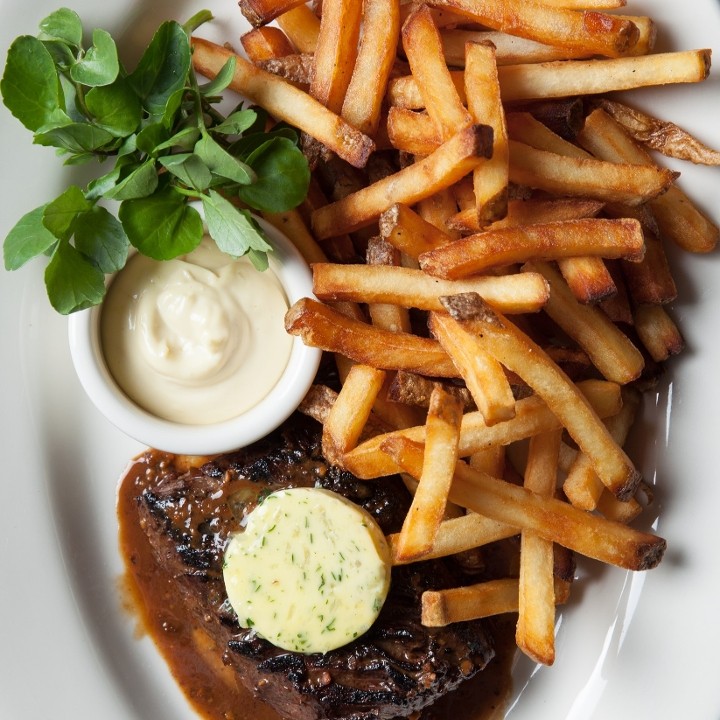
310 572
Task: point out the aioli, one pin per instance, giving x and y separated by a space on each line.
198 339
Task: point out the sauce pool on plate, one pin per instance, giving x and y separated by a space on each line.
198 339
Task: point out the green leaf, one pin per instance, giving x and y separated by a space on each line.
222 163
221 80
189 168
64 25
61 54
60 215
140 182
163 68
99 235
150 137
100 66
259 260
30 86
75 137
115 108
234 231
105 183
72 281
27 239
183 140
283 177
163 225
237 123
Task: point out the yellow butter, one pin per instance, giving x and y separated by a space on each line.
310 572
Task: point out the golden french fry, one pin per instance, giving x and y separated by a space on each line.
302 27
376 55
532 416
442 432
423 49
402 227
413 288
293 226
450 162
335 52
660 135
483 374
350 411
550 518
511 347
459 534
582 486
610 350
586 177
321 326
658 333
677 216
531 212
650 281
284 102
490 180
590 31
260 12
386 316
535 631
266 42
566 78
571 238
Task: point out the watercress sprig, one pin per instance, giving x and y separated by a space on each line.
162 141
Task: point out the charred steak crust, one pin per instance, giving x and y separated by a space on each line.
396 668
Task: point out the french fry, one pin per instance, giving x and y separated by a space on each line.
490 461
510 49
483 374
509 346
261 12
582 486
610 351
302 27
321 326
438 208
284 102
413 288
266 42
585 4
492 597
423 49
532 416
566 78
376 55
590 31
450 162
550 518
412 132
532 212
386 316
402 227
490 180
350 411
335 52
422 521
658 333
458 535
613 509
571 238
665 137
563 175
677 216
535 630
293 226
650 281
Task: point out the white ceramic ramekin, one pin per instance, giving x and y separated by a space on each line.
87 355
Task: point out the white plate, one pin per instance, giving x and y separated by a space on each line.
629 646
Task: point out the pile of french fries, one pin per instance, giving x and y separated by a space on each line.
486 227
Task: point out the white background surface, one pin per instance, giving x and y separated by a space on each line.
629 646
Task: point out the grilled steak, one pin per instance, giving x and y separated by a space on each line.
395 669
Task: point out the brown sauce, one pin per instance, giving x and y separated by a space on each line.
211 688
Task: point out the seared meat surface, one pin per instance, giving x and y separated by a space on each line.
395 669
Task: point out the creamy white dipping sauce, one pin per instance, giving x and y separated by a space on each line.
199 339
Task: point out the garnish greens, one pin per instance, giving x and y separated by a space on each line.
161 140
